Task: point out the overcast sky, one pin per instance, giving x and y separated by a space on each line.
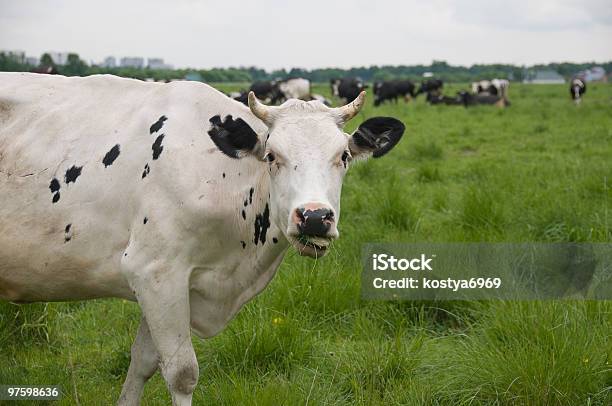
316 33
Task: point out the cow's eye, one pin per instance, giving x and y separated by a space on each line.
346 157
270 157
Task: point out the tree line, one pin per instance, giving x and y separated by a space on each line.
75 66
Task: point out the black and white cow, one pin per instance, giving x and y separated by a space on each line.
438 98
433 86
495 87
469 99
577 89
392 90
295 88
267 90
171 195
347 88
276 91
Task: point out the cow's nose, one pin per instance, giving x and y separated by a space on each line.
313 220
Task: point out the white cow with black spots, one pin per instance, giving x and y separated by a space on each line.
171 195
493 87
577 89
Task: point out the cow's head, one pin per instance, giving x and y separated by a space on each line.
307 154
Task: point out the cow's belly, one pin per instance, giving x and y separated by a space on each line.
20 282
44 270
52 253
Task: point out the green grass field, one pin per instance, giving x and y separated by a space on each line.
540 170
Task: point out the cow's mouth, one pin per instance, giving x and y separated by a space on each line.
314 247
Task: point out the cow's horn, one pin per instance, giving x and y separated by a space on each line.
261 111
345 113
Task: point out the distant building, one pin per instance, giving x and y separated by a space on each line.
158 63
543 77
132 62
109 62
32 60
594 74
428 74
59 58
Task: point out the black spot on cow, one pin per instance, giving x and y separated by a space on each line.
155 127
274 240
223 175
111 155
67 233
262 223
72 174
246 203
251 195
232 137
145 220
157 146
243 244
146 171
243 214
54 187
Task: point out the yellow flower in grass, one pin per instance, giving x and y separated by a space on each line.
278 321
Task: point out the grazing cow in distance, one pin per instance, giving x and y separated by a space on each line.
495 87
49 70
430 86
276 91
577 89
437 98
391 90
502 86
347 88
482 86
170 195
267 90
242 96
469 99
295 88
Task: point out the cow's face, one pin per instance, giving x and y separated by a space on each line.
306 154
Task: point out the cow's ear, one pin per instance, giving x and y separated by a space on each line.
235 138
376 136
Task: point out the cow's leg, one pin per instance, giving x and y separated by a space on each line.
163 295
142 366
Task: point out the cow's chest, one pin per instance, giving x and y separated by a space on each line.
217 294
